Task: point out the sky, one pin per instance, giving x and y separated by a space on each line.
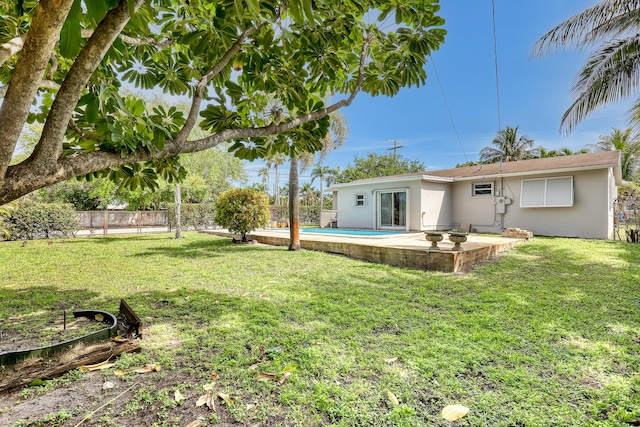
533 92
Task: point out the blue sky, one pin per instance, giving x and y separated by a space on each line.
534 92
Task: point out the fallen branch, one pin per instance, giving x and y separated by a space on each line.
43 369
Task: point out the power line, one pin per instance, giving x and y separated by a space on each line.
495 57
446 104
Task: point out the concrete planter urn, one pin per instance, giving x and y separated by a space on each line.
457 238
434 237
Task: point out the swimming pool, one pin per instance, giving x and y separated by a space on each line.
355 233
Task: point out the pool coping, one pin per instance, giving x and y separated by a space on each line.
412 250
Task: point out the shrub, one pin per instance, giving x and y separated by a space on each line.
198 216
33 220
242 210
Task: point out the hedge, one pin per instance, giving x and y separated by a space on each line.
308 214
35 220
198 216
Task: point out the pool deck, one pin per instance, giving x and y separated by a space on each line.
410 250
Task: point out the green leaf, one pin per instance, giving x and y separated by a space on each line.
132 7
71 37
254 7
92 109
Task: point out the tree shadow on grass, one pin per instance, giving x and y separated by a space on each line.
206 248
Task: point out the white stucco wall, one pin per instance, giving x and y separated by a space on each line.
436 208
478 211
352 216
589 217
443 205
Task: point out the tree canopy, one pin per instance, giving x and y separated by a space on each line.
376 165
627 141
256 73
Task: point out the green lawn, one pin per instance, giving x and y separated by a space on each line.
548 335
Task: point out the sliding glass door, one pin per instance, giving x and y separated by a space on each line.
392 209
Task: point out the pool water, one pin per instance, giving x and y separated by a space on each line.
355 233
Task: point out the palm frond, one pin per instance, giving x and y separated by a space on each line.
610 74
599 22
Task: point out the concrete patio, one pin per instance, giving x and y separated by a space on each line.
405 250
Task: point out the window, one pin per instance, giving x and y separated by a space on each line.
547 192
482 189
359 199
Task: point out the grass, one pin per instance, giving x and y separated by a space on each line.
546 336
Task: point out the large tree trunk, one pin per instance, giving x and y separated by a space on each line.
177 196
294 206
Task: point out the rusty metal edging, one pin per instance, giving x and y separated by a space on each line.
12 357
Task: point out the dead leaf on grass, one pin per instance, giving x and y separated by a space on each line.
209 386
393 399
196 423
99 317
214 376
119 339
98 366
391 360
454 412
152 367
108 385
255 365
178 397
266 377
283 378
226 398
207 399
250 406
246 294
144 370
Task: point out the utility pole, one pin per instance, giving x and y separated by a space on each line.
396 145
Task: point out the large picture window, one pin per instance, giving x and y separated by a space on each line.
547 192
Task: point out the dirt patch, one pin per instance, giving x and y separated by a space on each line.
41 330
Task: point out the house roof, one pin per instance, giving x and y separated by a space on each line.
525 167
574 162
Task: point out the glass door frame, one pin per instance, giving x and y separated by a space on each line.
378 211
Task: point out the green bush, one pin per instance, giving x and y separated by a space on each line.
242 210
198 216
33 220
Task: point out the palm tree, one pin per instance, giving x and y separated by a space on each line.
275 160
264 174
628 143
564 151
294 205
611 71
510 147
308 193
323 173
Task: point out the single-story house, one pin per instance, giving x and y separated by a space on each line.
569 196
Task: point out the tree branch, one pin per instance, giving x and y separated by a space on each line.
10 48
27 176
162 44
39 43
44 84
196 101
49 148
